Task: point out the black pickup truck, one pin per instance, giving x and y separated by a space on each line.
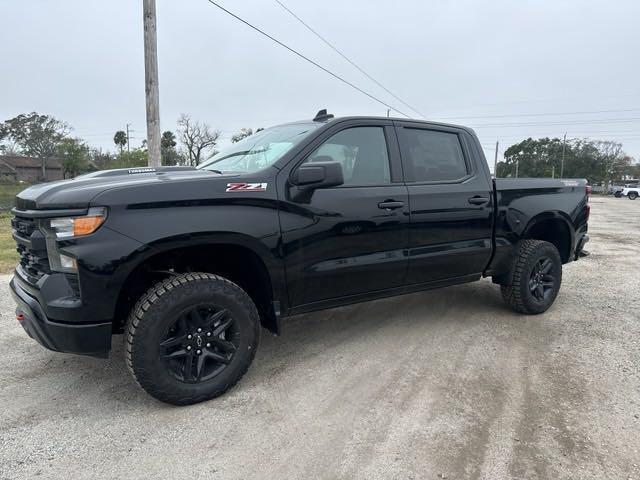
190 263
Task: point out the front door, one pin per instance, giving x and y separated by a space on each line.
350 239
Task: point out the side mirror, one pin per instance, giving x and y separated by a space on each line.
311 176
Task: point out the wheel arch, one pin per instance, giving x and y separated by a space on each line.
242 259
553 227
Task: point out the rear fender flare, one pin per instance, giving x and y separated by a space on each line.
553 215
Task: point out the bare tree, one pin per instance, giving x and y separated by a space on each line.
198 140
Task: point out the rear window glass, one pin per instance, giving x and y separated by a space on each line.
432 156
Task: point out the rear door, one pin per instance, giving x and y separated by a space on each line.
451 203
351 239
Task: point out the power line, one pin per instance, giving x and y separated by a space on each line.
307 58
335 49
547 100
540 114
568 122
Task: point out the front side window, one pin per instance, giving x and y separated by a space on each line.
432 156
362 152
260 150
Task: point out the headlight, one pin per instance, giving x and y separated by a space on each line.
68 227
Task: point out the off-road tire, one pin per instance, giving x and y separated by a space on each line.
632 195
517 293
152 315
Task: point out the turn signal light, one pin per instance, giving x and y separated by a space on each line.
86 225
68 227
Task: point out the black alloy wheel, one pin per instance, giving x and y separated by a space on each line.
191 337
536 276
200 344
542 279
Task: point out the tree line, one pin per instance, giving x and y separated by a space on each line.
192 142
46 137
600 162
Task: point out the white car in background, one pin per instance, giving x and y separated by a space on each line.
631 192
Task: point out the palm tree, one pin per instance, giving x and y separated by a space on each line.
120 139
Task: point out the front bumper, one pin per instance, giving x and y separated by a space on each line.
83 339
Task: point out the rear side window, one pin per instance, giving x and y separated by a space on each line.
432 156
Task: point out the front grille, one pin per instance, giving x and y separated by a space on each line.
32 248
23 227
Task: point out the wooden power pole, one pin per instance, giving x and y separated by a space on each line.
128 133
495 162
151 82
564 144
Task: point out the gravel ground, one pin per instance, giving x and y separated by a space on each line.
441 384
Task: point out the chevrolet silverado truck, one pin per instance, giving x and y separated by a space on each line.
191 263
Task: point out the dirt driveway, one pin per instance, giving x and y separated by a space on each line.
442 384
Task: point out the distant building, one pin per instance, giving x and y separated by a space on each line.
16 168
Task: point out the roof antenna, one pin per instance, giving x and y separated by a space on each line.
322 115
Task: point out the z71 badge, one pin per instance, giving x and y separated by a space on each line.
246 187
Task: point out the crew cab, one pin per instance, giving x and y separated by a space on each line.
190 263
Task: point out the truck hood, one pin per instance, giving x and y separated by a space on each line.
78 192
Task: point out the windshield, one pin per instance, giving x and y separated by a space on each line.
259 150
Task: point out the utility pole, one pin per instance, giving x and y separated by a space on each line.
151 82
388 112
495 162
564 144
128 149
517 165
553 171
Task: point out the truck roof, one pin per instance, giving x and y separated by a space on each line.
331 119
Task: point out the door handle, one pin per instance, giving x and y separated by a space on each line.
478 200
390 205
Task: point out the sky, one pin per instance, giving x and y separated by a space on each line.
509 69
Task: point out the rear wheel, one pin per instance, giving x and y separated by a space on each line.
632 195
191 337
536 278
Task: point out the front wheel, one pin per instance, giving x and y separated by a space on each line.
632 195
536 277
191 337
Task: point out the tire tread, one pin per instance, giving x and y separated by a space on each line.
512 293
154 295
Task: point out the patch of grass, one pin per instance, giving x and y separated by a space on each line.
8 193
8 254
